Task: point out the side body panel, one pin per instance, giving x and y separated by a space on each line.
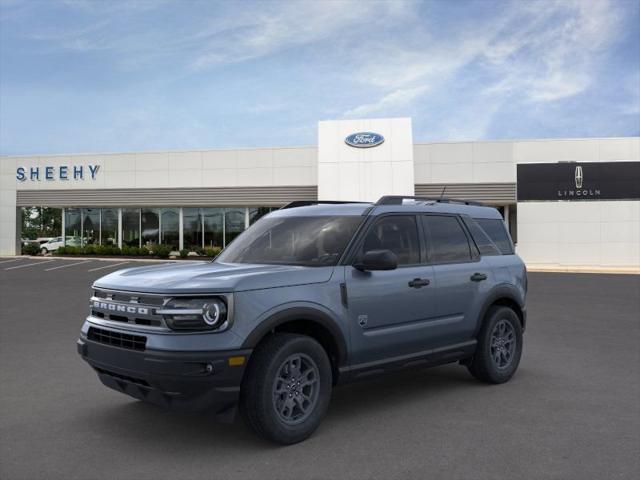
386 316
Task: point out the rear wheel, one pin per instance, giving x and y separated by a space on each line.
499 346
286 391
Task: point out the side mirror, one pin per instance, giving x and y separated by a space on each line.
377 260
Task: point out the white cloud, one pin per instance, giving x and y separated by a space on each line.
288 25
396 99
538 51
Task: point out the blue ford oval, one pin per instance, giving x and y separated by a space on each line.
364 139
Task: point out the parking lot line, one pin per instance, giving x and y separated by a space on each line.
106 266
65 266
9 261
30 264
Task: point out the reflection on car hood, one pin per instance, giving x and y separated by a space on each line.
208 277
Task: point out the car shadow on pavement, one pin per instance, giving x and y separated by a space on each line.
149 426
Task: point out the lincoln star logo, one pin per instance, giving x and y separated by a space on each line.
364 139
116 307
580 191
579 177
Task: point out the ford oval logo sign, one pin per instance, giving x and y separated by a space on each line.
364 139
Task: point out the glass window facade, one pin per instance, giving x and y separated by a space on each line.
255 213
109 226
90 226
213 219
131 227
170 227
150 222
234 223
73 226
205 227
192 228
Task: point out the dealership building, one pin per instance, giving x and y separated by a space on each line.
567 202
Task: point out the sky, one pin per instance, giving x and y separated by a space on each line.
83 76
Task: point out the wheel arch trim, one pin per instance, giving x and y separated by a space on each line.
503 292
300 313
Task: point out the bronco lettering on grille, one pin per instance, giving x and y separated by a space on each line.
116 307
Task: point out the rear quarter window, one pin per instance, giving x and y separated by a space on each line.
497 232
483 242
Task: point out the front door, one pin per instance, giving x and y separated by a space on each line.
390 311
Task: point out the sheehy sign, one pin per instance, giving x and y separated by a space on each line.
575 181
60 172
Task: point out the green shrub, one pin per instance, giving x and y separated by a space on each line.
31 249
184 253
89 250
162 251
212 251
68 250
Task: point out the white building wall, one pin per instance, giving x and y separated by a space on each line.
464 162
201 168
597 234
365 174
8 211
205 168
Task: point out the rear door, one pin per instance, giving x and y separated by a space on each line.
461 276
389 311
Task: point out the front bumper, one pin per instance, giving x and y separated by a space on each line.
193 381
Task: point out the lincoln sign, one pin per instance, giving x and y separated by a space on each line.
575 181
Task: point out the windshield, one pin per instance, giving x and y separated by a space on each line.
308 241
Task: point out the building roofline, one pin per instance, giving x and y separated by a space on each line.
302 147
518 140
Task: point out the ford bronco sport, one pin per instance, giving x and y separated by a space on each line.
312 295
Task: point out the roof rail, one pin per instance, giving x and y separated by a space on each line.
398 200
306 203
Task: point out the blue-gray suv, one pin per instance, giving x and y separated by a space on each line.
310 296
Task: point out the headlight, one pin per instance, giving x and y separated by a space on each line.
195 314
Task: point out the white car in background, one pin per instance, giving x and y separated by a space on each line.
56 242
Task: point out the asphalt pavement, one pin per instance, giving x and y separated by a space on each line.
571 412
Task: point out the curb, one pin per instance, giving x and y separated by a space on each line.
102 259
596 270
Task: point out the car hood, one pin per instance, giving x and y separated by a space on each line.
211 277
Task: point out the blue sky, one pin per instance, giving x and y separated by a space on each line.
90 76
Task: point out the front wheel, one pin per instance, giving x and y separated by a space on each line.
499 346
44 251
286 391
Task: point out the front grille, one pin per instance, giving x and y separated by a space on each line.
117 339
131 308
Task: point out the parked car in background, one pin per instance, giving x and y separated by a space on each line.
37 241
56 242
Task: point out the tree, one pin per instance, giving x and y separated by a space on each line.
41 222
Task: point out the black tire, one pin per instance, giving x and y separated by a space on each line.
44 251
271 360
494 361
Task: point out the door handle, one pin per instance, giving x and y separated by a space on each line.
419 282
478 277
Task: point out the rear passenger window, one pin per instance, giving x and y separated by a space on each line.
497 232
447 241
398 234
484 243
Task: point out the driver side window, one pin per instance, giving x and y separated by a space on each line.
397 233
